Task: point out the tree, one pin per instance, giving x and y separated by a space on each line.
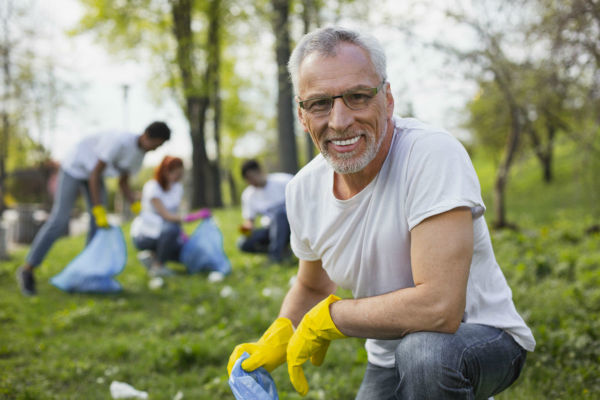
30 92
288 155
192 59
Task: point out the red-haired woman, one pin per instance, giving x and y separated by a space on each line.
158 227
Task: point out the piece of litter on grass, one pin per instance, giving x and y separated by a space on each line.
216 276
156 283
226 291
122 390
178 395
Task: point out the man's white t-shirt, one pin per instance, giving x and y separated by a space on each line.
259 200
119 150
149 222
364 242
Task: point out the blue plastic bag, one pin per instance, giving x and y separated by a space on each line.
255 385
94 268
203 252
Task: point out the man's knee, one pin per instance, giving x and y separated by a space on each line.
425 353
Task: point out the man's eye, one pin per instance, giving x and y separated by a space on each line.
357 98
318 104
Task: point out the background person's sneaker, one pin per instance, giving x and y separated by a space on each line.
146 257
26 281
155 271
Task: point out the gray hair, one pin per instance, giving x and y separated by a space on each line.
325 40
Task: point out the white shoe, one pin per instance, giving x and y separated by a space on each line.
160 271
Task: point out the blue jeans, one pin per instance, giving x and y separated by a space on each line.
273 239
67 190
167 245
476 362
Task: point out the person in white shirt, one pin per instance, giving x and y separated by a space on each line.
264 196
391 209
157 229
104 154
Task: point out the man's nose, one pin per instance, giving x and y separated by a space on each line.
340 116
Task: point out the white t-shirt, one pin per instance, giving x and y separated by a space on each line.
119 150
258 201
149 222
364 242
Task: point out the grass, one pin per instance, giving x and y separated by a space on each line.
178 338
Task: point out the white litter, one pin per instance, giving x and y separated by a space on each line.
178 396
226 291
215 276
156 283
122 390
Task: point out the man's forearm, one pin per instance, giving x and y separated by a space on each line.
395 314
95 184
299 300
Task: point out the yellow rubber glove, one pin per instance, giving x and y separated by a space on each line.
136 207
311 340
100 216
269 351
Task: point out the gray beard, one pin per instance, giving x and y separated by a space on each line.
345 164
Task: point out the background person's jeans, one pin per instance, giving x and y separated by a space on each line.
67 190
476 362
272 239
168 244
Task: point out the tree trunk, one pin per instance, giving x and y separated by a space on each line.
201 168
214 87
232 188
288 157
310 15
205 192
510 149
4 138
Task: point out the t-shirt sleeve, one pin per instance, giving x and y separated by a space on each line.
440 177
293 207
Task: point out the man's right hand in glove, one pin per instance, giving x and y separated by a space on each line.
99 214
270 350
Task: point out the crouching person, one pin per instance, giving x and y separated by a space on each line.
391 209
264 196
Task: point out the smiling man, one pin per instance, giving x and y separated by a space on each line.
392 211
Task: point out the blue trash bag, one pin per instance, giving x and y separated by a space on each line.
94 268
255 385
203 252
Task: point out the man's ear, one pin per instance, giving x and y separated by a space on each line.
389 100
301 119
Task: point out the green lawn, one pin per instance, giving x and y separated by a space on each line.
178 338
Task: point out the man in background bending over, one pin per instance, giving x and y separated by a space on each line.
104 154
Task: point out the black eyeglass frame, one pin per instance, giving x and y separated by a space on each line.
373 93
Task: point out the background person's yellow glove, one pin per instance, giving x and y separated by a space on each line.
311 340
269 351
136 207
99 214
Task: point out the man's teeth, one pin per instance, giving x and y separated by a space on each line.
346 142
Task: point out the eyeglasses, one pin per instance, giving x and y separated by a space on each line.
356 100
